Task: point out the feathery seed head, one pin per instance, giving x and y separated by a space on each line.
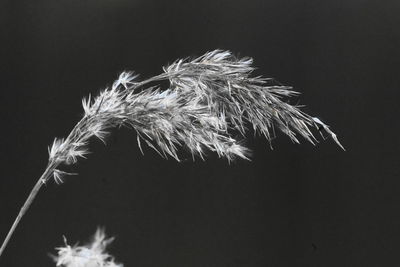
209 99
92 254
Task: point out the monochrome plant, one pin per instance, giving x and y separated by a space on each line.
210 99
93 254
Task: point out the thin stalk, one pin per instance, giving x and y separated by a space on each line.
42 180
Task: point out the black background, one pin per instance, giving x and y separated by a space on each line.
296 205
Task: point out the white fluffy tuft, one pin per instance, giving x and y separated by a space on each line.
92 254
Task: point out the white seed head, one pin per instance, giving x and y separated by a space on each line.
210 99
93 254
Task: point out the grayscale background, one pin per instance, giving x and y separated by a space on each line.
295 205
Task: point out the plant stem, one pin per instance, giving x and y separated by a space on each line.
42 180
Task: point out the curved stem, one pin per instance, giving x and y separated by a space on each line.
43 179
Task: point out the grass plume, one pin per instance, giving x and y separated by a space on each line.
209 99
93 254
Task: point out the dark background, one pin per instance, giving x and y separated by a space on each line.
296 205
